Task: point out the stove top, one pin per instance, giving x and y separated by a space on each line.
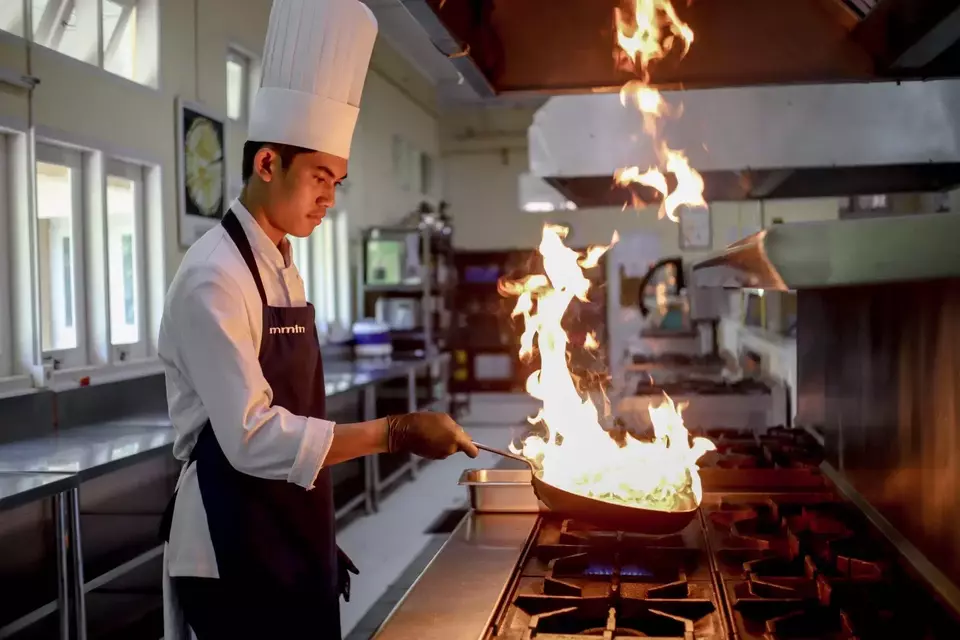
811 566
700 387
779 459
581 582
798 566
678 359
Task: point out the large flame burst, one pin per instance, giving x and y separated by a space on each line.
576 454
648 30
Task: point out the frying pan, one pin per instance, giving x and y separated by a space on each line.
608 515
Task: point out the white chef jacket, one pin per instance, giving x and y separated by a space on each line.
209 342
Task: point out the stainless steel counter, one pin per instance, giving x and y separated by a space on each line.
457 595
341 376
20 488
88 451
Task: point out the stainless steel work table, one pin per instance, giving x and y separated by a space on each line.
18 489
56 465
89 451
457 595
65 460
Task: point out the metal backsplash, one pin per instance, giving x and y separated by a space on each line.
105 402
879 373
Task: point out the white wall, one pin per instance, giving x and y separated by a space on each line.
485 151
79 104
108 112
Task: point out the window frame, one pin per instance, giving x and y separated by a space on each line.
6 266
50 153
99 47
343 273
246 62
139 350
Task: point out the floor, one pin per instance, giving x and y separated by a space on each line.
392 547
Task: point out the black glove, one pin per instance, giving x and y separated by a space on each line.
345 567
428 435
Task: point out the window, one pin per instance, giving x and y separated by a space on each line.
119 37
323 260
301 249
238 85
68 26
344 299
124 42
11 17
121 216
328 268
126 275
60 277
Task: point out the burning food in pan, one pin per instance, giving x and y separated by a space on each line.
576 454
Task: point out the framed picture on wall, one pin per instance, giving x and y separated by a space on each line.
202 174
696 232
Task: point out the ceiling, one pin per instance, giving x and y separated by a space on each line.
518 46
405 34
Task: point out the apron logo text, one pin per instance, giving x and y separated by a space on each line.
292 329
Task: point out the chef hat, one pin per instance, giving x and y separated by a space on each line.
314 63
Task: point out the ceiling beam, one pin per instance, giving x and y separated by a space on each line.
908 34
929 47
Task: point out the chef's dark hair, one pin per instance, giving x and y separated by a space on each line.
287 153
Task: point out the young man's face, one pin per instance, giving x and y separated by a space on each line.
301 191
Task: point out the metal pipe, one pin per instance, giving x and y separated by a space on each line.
76 556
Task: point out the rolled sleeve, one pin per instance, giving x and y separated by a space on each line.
317 438
219 356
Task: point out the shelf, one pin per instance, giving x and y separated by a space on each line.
395 288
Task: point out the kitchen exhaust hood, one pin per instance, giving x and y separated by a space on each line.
759 142
813 255
560 46
536 196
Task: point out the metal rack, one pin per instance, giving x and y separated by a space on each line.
433 286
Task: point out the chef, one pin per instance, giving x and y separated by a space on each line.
250 534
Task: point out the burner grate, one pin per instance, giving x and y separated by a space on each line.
584 582
808 566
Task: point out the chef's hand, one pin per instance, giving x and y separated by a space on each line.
345 567
428 435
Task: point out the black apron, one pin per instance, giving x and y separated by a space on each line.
271 536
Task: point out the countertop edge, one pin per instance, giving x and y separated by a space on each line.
459 592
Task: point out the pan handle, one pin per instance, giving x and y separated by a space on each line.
506 454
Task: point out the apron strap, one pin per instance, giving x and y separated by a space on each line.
235 230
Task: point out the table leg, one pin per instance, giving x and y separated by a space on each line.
76 557
371 497
63 580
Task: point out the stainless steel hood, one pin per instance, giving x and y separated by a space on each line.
556 46
813 255
760 142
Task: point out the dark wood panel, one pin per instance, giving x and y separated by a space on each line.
879 370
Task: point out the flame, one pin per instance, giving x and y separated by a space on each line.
640 33
576 454
591 342
648 31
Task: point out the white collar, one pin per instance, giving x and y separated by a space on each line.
259 241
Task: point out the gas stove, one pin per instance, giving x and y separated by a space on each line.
580 582
746 403
677 360
701 387
778 459
786 566
811 566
